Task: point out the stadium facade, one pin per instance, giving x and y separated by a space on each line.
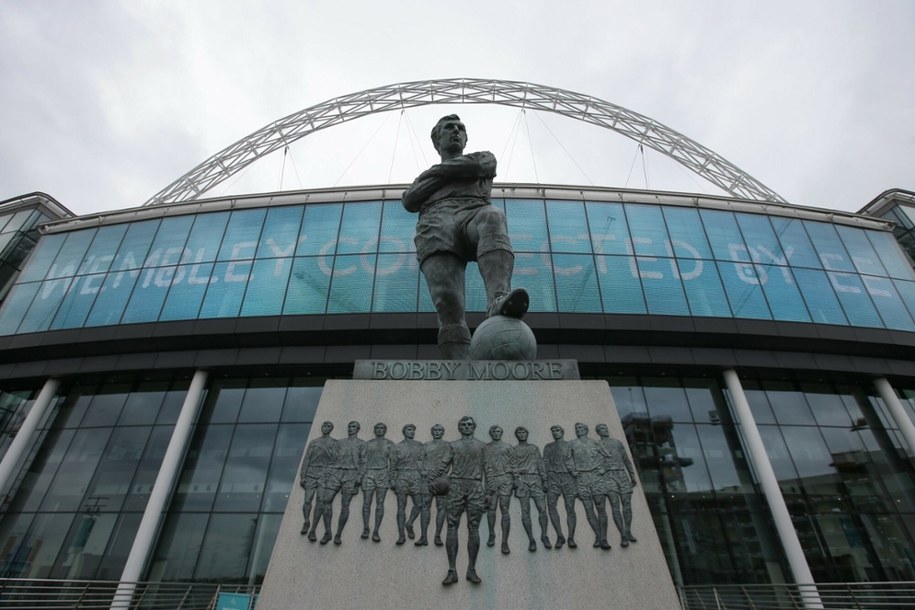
188 342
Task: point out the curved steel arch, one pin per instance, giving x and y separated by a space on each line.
642 129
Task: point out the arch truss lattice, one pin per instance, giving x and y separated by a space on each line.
283 132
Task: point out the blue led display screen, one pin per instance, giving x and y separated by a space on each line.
358 257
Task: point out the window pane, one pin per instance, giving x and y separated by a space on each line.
45 305
308 286
663 291
225 549
894 261
741 282
687 235
202 469
134 247
45 538
68 489
359 228
168 246
396 283
187 291
398 227
857 304
724 236
263 402
609 232
319 229
474 291
42 256
890 307
351 288
206 235
72 253
301 402
782 293
148 468
290 443
649 233
112 298
78 301
242 235
225 292
148 295
576 283
533 272
704 292
859 248
112 481
795 243
179 547
526 225
620 285
15 306
267 287
104 247
568 227
281 232
245 474
821 299
828 246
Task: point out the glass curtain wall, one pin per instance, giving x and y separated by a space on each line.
15 403
838 457
711 518
841 470
358 257
18 234
76 508
236 479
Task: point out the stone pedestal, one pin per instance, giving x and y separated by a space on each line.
365 574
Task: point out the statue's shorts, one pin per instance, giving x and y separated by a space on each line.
410 482
617 481
314 480
591 483
375 478
528 486
442 227
500 484
561 483
343 479
466 494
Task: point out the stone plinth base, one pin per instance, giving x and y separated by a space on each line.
365 574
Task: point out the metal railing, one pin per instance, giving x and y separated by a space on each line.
35 594
857 596
29 594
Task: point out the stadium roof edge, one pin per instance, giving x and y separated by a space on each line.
500 190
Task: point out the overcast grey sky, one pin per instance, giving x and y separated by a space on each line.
105 103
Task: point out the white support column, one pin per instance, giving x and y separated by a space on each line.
892 402
763 467
165 481
26 434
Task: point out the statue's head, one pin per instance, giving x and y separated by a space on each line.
557 431
327 427
449 134
602 430
438 431
521 433
581 429
409 431
495 432
353 427
467 425
380 429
